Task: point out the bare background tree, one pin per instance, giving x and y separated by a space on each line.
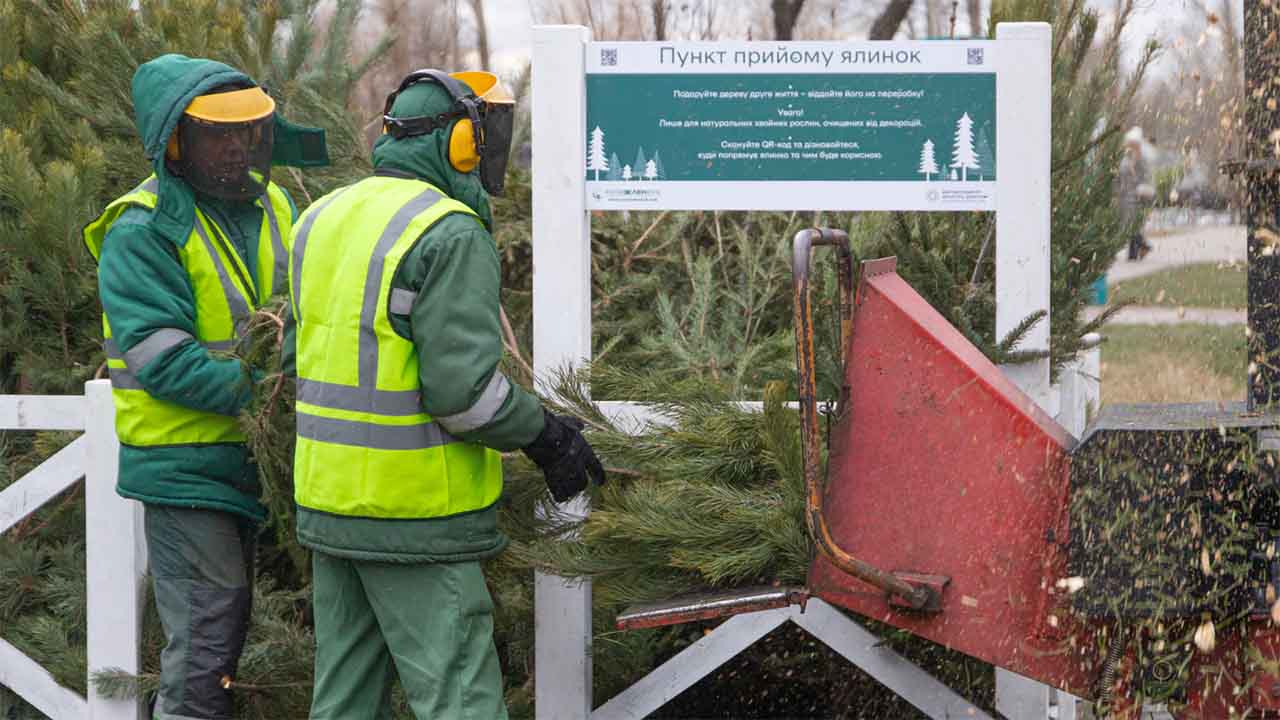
482 33
785 15
886 25
1194 112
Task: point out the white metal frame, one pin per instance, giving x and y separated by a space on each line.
115 548
562 336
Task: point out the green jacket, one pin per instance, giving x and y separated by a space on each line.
454 269
143 287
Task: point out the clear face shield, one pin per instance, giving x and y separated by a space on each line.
225 142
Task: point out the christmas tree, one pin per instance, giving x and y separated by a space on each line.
660 172
962 155
928 164
595 153
986 158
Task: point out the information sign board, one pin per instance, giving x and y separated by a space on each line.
834 126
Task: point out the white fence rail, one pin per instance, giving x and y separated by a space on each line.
115 549
116 569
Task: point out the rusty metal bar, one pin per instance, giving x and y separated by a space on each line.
709 606
918 597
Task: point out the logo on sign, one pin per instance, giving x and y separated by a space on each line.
608 57
975 56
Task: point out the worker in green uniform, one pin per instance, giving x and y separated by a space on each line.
183 259
402 410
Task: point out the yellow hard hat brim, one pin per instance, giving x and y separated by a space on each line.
485 85
232 107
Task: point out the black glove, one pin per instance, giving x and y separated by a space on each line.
564 456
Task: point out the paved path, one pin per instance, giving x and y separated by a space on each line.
1186 246
1155 315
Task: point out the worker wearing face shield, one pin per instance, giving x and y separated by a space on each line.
403 410
184 258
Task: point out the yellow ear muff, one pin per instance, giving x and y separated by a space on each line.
171 150
462 147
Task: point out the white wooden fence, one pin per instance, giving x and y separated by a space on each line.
115 548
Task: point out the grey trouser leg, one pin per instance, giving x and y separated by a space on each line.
202 568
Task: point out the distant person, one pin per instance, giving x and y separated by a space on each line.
1135 192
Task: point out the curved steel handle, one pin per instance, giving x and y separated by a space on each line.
918 596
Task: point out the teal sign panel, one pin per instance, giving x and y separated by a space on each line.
873 127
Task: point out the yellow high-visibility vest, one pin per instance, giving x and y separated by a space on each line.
365 447
225 295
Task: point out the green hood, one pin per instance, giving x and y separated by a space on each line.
427 156
162 90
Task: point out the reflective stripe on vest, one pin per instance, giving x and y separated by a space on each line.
223 305
365 446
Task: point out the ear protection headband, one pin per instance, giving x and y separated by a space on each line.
466 142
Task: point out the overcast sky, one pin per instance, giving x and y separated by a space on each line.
510 26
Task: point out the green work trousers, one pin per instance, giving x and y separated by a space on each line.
432 624
202 569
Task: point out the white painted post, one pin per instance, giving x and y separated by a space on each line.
1022 248
561 334
115 559
1022 199
1080 386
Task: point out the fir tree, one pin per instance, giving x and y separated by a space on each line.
962 154
637 167
595 153
615 168
928 164
986 158
660 172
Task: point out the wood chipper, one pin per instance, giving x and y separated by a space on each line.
1137 563
956 509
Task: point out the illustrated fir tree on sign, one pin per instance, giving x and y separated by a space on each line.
595 156
657 164
615 168
626 172
637 167
928 163
986 158
650 171
963 156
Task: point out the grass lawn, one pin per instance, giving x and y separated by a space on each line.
1173 363
1208 285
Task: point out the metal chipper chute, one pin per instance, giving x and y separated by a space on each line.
945 508
944 512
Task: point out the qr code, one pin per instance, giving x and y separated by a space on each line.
608 57
975 56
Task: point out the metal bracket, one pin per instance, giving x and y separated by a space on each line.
710 606
933 585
